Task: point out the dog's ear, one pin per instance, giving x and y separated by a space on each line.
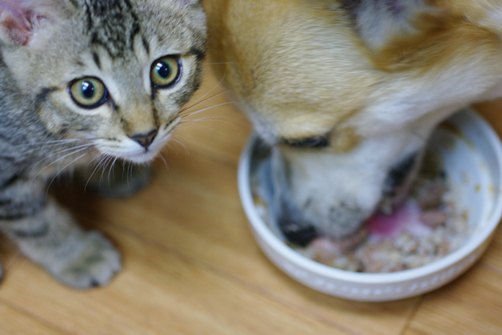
21 20
379 22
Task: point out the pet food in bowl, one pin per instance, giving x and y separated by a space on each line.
424 244
426 227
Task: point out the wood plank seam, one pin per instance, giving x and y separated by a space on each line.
412 315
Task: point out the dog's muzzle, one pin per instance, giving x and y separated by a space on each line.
312 198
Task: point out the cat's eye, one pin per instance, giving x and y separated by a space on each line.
165 72
88 92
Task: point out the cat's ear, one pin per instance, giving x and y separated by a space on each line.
20 20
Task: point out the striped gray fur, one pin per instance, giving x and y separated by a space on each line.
44 132
112 21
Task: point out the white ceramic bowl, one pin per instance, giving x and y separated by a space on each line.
472 157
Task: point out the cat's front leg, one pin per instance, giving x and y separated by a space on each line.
48 235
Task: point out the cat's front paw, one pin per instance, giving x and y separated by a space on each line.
93 265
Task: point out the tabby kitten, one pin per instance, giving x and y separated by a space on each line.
83 80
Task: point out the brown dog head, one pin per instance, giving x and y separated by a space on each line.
345 91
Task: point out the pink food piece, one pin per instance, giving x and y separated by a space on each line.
323 250
434 218
326 250
406 218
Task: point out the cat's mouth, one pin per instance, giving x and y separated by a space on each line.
141 158
130 151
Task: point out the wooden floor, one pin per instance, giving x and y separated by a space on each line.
191 265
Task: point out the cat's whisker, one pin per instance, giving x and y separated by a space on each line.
107 162
129 173
49 144
67 149
66 141
60 140
68 152
97 164
44 165
47 161
204 97
207 109
180 143
124 174
110 170
218 118
164 160
203 119
63 169
219 63
64 157
187 109
103 166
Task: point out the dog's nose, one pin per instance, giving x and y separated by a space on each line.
293 226
145 139
296 232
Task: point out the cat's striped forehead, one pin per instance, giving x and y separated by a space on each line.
116 25
111 24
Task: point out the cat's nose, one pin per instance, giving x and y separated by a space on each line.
145 139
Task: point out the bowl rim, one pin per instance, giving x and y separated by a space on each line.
260 227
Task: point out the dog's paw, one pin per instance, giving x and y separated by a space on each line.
92 265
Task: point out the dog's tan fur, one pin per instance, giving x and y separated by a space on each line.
307 68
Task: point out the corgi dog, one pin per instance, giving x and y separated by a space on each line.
347 92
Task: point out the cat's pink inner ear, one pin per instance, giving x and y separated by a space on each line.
14 21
